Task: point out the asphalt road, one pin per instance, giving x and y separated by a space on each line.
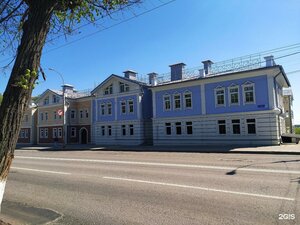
103 187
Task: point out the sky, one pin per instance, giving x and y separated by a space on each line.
181 31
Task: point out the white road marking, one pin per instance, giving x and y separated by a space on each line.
40 171
200 188
166 165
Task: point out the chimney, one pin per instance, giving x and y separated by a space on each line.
269 61
130 74
152 79
67 88
201 73
177 71
207 67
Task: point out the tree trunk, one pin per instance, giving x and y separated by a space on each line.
16 98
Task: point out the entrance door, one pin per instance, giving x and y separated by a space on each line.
83 136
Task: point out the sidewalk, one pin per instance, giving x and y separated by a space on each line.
282 149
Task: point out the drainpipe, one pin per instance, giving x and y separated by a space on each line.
276 102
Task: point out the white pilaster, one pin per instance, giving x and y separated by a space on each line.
203 102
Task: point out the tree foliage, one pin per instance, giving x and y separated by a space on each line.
24 27
1 97
297 130
65 15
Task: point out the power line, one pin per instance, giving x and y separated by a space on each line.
101 30
109 27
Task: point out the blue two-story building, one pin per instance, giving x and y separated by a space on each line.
238 106
122 111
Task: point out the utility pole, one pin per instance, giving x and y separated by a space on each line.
64 107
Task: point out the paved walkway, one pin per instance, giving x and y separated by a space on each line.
282 149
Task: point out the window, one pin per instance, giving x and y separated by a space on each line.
124 87
178 128
177 101
59 132
46 133
41 116
46 101
55 99
130 106
103 130
73 131
22 134
55 115
123 130
108 90
54 133
188 100
123 107
236 128
251 126
46 116
220 96
189 127
73 114
42 133
248 90
102 109
131 129
25 133
86 113
222 126
168 128
81 114
167 103
109 130
234 95
26 118
109 112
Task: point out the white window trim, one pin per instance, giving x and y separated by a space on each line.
216 98
107 129
184 99
166 129
109 103
129 133
54 136
129 106
123 101
46 136
255 123
58 135
42 133
103 110
229 95
240 123
248 84
75 130
73 110
186 128
181 129
164 102
180 99
81 114
226 127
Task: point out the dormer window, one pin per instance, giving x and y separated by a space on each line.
46 101
124 87
55 99
108 90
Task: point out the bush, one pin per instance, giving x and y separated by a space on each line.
297 130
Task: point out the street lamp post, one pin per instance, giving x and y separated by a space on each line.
64 106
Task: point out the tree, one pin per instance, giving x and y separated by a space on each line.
28 23
1 97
